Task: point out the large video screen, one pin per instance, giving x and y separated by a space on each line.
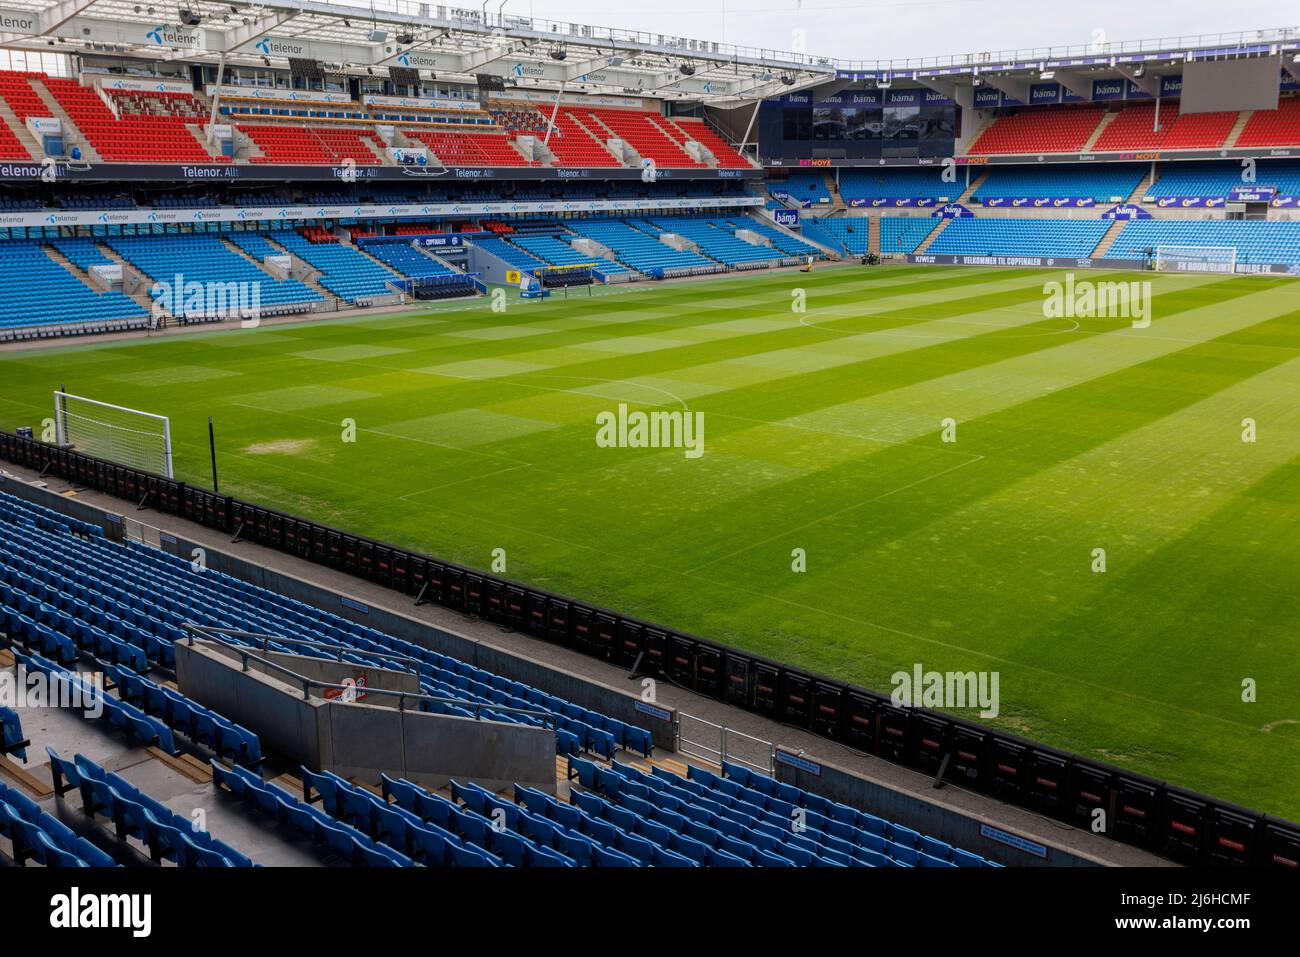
858 124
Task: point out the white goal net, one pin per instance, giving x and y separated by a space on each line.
1196 259
141 440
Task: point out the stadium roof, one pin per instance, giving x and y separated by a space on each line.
465 42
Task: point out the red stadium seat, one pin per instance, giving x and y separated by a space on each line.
1048 129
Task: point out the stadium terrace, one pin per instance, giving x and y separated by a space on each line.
352 583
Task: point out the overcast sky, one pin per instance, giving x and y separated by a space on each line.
882 29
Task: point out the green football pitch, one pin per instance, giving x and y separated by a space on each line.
824 430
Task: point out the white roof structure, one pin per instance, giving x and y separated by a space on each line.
444 41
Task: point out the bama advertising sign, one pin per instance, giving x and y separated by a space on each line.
1039 202
786 217
1046 262
1256 194
1186 202
900 201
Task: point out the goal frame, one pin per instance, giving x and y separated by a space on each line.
1169 254
61 414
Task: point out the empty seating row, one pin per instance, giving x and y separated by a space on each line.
37 291
758 814
17 91
510 253
11 734
850 234
902 234
859 826
871 187
1218 179
200 725
803 186
348 274
470 147
643 252
1140 127
132 137
990 236
559 253
1279 127
93 701
312 145
219 271
1044 129
407 260
82 251
782 241
1256 241
574 143
644 132
165 834
128 603
1102 183
717 242
286 808
723 152
37 836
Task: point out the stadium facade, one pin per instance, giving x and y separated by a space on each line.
339 159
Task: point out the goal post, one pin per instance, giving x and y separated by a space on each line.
126 436
1196 259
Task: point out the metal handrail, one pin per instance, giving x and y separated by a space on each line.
214 634
721 751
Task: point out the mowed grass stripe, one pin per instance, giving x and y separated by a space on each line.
887 581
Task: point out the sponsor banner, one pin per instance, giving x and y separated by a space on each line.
1013 840
420 60
862 99
663 714
1041 93
953 211
1039 202
987 97
1186 202
234 214
307 50
1288 269
1134 92
786 217
1255 194
796 99
1046 262
1108 89
798 761
60 171
408 154
1171 85
271 93
1126 211
164 35
45 125
895 97
1285 202
896 201
135 84
527 96
410 102
19 21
